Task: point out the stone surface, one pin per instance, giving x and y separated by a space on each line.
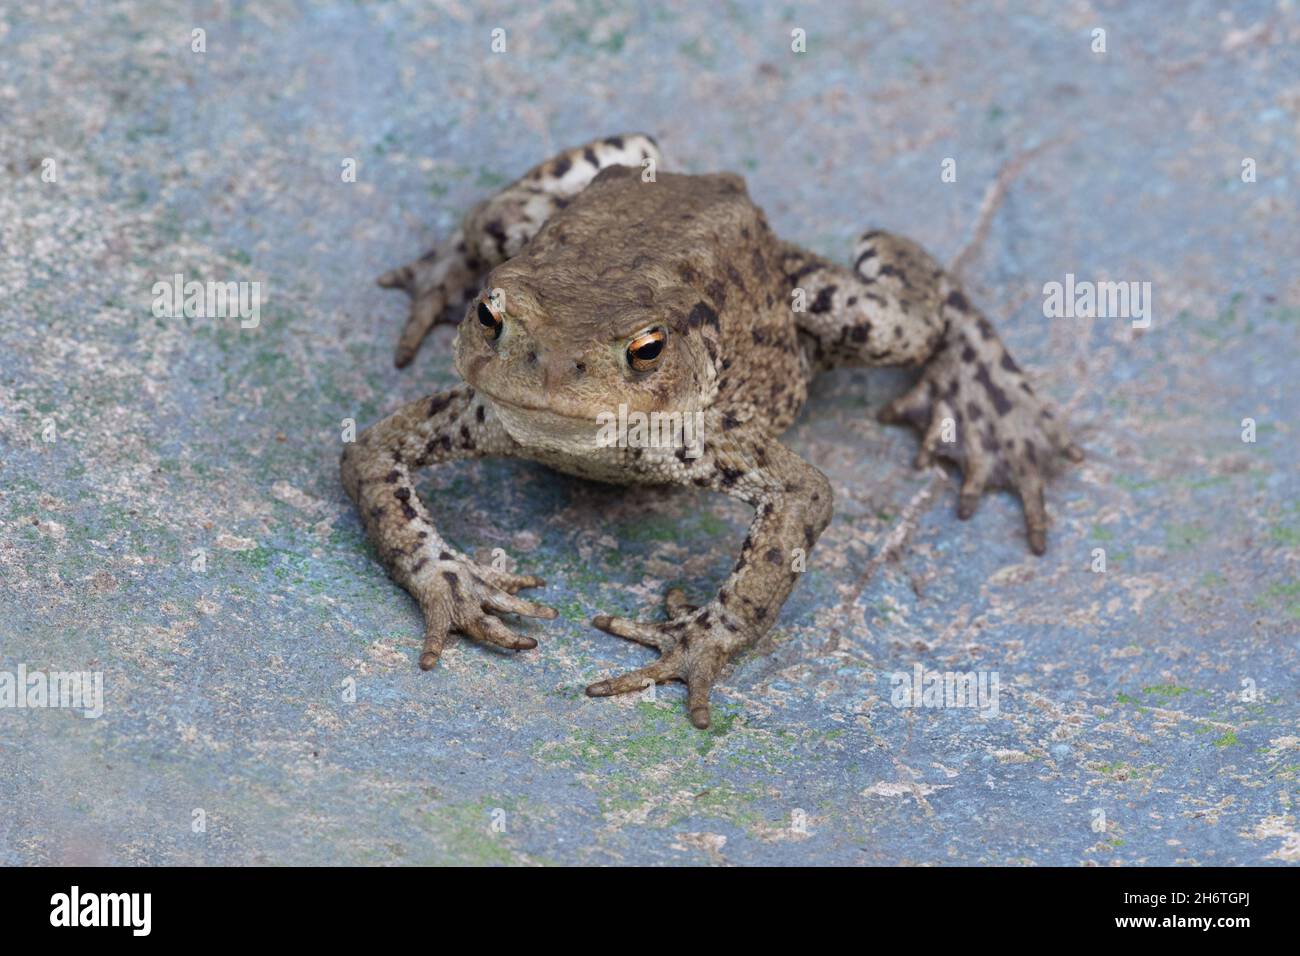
1126 730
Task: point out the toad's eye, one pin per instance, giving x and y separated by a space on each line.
488 319
644 351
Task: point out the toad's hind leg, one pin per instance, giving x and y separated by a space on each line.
972 402
446 277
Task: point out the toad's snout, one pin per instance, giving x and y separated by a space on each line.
554 368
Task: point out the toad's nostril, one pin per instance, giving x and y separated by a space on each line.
580 367
532 358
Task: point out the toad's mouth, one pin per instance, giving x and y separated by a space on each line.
516 404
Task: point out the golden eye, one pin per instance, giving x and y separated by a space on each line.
646 349
491 324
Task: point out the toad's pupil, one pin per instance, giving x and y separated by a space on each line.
485 316
649 350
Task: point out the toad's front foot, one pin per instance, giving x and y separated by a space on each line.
693 644
456 594
974 406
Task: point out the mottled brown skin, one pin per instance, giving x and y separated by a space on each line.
584 254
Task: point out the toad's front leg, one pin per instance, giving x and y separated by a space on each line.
454 592
792 502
